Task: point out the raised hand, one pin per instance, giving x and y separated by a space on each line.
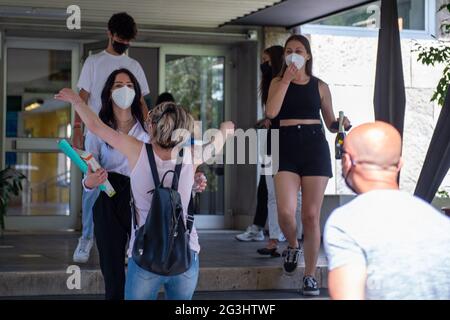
200 182
68 95
290 74
227 126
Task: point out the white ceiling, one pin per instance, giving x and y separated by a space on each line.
168 13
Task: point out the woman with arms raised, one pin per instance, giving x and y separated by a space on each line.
163 122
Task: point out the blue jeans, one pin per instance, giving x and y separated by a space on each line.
144 285
87 203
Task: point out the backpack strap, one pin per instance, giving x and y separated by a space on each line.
177 173
133 211
151 160
190 215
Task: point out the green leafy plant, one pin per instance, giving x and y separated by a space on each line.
442 194
440 53
10 185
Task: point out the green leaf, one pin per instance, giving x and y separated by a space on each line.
444 6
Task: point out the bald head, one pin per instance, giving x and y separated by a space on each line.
376 142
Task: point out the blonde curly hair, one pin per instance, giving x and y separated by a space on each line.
164 119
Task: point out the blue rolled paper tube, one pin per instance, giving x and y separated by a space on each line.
73 155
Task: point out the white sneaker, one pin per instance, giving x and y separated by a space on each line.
281 238
253 233
81 254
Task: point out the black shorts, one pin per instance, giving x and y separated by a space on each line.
304 150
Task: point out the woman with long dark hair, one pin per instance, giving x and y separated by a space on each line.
266 211
271 62
121 111
296 99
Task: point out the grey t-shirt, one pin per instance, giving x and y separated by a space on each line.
403 242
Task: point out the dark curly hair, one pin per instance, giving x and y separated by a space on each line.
165 97
122 25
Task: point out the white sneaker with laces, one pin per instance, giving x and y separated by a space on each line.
253 233
81 254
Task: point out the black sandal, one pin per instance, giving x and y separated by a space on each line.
269 252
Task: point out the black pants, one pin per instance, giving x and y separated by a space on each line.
261 205
112 227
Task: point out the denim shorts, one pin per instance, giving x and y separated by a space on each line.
145 285
304 150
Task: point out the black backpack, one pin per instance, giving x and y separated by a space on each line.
161 245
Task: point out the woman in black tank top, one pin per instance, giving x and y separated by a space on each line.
295 100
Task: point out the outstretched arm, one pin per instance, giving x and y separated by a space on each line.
202 154
124 143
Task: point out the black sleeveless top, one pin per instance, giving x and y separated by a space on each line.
301 101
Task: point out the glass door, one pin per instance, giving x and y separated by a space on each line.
34 122
196 78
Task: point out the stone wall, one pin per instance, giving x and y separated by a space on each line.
347 64
274 36
441 16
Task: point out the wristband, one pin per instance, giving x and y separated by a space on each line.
335 125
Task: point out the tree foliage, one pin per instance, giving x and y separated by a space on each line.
438 54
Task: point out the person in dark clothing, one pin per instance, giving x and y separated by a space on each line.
272 61
165 97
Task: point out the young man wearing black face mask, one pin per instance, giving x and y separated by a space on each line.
96 69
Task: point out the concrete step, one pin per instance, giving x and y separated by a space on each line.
50 283
41 265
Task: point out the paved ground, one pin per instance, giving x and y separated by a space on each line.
44 252
33 266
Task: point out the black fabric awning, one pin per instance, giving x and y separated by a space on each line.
389 94
437 161
291 13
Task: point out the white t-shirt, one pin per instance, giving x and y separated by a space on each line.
403 242
96 70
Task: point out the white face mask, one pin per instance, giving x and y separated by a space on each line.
295 58
123 97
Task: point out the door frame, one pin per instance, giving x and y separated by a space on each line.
202 221
68 222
